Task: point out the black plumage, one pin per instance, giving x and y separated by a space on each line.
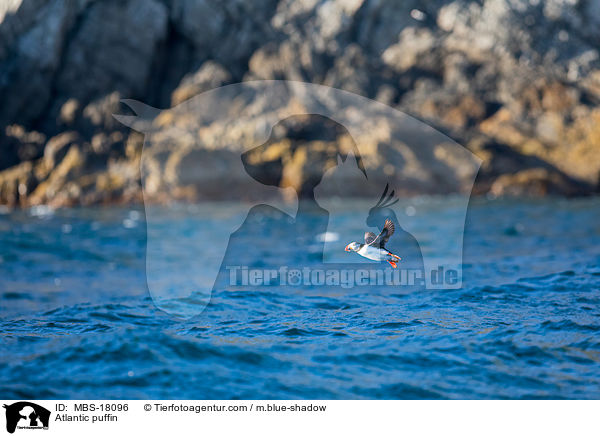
383 237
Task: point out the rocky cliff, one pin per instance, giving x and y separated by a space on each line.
516 82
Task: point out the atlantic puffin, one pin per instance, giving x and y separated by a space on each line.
374 246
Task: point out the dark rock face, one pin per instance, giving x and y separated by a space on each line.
299 151
517 82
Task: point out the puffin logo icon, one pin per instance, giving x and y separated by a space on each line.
26 415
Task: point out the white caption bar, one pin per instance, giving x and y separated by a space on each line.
299 417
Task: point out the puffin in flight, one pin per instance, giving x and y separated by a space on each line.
374 246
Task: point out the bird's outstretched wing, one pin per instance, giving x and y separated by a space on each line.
369 238
384 236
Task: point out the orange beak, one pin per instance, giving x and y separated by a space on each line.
347 249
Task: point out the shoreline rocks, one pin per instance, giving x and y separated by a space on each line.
515 82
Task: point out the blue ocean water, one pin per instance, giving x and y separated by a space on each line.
77 320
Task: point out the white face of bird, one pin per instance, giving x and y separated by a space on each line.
352 246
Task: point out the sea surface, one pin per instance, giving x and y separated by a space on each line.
77 319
